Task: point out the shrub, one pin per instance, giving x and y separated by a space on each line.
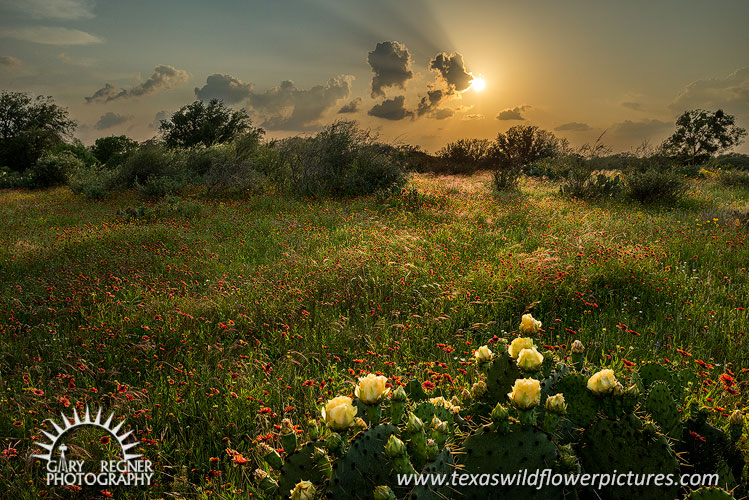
53 169
655 184
93 183
157 186
464 156
734 178
584 181
150 160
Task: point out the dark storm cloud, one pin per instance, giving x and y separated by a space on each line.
164 77
224 87
287 107
512 113
391 64
573 127
351 107
109 120
391 109
430 102
452 70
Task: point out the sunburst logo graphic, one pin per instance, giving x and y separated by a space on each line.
63 471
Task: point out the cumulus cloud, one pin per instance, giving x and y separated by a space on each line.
443 113
65 10
475 116
163 78
49 35
452 70
513 113
632 133
391 64
430 102
287 107
731 93
391 109
350 107
9 61
161 115
573 127
109 120
224 87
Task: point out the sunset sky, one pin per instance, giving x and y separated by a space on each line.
403 68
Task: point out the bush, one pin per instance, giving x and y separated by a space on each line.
93 183
734 178
341 160
150 160
585 181
655 184
464 156
506 179
158 186
53 169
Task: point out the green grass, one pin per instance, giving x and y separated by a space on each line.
205 331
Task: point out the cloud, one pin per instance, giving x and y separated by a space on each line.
49 35
65 10
163 78
391 64
632 133
573 127
731 93
512 113
391 109
351 107
475 116
637 106
430 102
9 61
452 71
287 107
161 115
109 120
224 87
443 113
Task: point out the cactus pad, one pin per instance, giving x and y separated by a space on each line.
500 377
582 405
662 407
426 411
624 445
443 464
709 493
299 466
415 391
493 453
650 372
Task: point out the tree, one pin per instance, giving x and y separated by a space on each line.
701 134
105 148
521 145
198 123
30 127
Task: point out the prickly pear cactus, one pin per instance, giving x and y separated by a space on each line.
495 453
500 377
426 411
300 466
582 405
662 408
651 372
415 391
625 445
364 466
709 493
443 464
704 445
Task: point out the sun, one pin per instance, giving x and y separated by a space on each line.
478 84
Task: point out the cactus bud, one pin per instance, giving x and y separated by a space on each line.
304 490
478 389
395 447
618 389
465 394
736 418
650 428
333 442
500 413
286 426
270 455
578 355
288 436
266 483
414 424
556 404
577 347
454 401
399 394
432 449
384 493
633 391
736 425
439 425
313 430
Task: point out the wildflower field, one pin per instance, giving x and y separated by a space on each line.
205 323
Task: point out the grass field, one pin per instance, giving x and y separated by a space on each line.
204 326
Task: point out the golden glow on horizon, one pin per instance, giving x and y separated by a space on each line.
478 84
